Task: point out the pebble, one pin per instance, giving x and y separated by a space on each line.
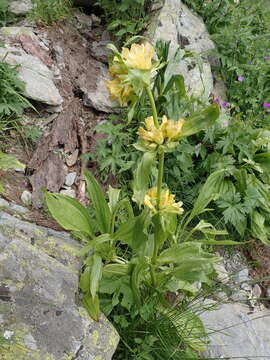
256 291
69 192
4 203
26 198
72 159
70 178
222 273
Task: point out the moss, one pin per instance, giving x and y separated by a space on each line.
95 337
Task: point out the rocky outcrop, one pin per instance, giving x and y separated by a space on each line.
237 333
174 22
39 312
20 7
23 48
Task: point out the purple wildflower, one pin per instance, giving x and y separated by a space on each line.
266 57
225 105
241 78
266 105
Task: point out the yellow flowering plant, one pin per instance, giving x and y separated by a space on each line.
132 249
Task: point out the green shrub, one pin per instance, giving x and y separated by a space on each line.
48 12
241 32
12 100
124 18
6 17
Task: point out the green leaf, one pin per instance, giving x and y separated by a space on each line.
92 306
258 229
201 121
142 177
211 190
113 197
179 253
115 269
102 211
96 273
9 162
101 239
69 213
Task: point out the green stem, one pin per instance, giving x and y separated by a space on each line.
160 177
152 274
153 105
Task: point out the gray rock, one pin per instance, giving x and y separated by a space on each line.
83 22
268 292
222 274
176 23
3 204
240 296
242 279
70 178
20 7
69 192
96 21
237 333
39 311
54 109
100 51
37 76
96 94
256 291
72 159
26 197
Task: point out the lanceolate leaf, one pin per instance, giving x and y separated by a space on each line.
102 211
201 121
92 306
96 273
142 176
69 213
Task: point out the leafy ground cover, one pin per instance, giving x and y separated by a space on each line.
241 32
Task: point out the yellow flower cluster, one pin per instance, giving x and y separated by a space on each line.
166 133
167 203
139 56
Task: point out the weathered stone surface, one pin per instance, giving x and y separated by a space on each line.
20 7
38 310
32 70
176 23
237 333
94 87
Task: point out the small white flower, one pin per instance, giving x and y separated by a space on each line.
8 334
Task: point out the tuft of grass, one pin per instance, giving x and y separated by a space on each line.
47 12
6 17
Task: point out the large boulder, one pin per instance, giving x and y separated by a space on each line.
20 7
39 311
23 48
174 22
237 333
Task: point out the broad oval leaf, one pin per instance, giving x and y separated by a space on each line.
96 273
69 213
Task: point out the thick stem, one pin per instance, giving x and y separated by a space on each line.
153 105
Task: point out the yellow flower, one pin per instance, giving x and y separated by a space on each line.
171 129
151 134
139 56
167 203
164 134
119 91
